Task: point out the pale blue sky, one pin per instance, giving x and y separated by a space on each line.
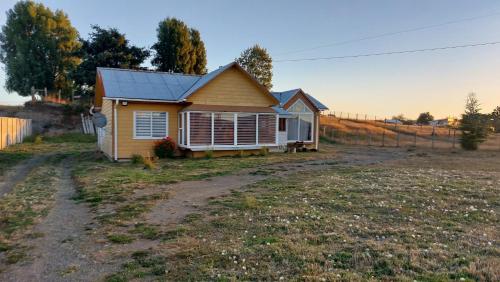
387 85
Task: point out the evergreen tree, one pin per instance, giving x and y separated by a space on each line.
39 49
257 61
105 48
199 54
179 48
474 125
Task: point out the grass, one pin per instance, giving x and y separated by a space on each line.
120 238
22 208
71 142
116 185
402 222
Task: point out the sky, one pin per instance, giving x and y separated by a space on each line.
380 86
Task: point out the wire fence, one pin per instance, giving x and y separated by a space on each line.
381 133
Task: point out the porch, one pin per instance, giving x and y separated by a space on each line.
220 128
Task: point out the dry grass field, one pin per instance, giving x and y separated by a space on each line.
360 132
346 213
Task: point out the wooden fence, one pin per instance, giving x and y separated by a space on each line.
87 125
13 130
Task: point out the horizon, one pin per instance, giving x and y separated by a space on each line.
437 82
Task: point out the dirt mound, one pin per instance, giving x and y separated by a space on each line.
48 119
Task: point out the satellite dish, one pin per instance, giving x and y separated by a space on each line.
99 120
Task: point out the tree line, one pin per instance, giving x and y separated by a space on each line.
40 49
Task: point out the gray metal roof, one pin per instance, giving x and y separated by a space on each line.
146 85
285 96
280 111
317 103
164 86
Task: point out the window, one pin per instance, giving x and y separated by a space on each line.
300 127
228 129
223 129
150 125
267 129
201 128
282 125
247 129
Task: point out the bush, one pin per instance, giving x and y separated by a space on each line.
469 142
38 139
263 151
165 148
209 154
137 159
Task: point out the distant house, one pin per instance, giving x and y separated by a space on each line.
393 121
449 121
224 111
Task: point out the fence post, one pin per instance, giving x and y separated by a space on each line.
433 132
369 138
415 140
454 135
383 138
397 139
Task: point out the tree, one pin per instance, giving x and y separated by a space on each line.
38 48
474 125
199 54
425 118
257 61
179 48
495 116
105 48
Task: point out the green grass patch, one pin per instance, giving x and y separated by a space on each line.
120 238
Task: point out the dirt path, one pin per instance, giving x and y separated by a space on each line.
188 196
64 252
19 172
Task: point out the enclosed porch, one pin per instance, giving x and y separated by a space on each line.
209 127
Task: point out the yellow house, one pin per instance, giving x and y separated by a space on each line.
225 111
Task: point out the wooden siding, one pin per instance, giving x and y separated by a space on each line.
107 110
98 91
233 88
127 145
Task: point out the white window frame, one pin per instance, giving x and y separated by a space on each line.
235 145
151 121
297 115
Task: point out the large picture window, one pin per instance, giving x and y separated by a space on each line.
300 127
150 125
223 129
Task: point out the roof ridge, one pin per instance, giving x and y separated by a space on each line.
152 71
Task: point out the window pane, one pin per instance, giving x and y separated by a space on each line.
267 129
143 124
282 124
247 129
223 129
299 107
201 128
293 124
306 127
159 124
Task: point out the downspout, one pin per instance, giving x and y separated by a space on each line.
115 125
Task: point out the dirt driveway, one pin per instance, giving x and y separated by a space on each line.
70 250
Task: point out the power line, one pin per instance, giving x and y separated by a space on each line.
390 53
387 34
